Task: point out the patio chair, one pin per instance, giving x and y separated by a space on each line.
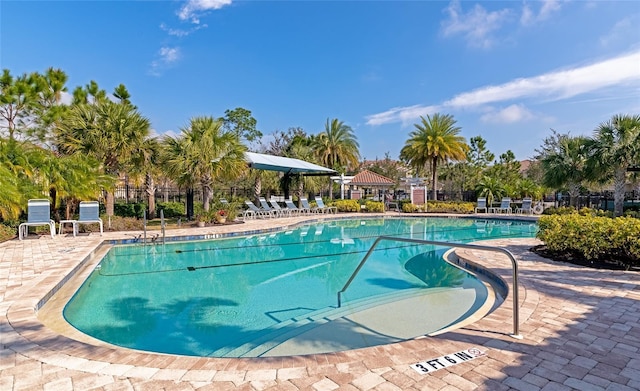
283 211
305 205
294 209
324 208
482 204
260 213
89 214
527 206
265 205
38 213
505 206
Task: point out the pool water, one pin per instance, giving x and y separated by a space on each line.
214 297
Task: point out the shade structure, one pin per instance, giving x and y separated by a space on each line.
261 161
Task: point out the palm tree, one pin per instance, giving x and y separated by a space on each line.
337 147
567 165
615 148
490 187
109 132
433 141
205 152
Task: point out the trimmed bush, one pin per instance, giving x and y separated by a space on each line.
592 237
7 233
347 205
172 209
129 210
450 207
374 206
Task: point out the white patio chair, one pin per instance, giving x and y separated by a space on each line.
482 204
89 214
324 208
38 213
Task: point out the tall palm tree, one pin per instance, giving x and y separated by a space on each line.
615 148
337 147
567 166
434 140
110 132
203 153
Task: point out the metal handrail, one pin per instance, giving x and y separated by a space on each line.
514 263
162 224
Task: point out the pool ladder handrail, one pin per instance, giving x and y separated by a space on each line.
162 227
514 263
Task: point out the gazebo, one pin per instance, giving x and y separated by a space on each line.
369 182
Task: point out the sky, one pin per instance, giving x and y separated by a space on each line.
509 71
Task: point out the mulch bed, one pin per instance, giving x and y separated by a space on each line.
544 252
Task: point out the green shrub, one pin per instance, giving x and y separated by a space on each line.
347 205
374 206
450 207
7 233
172 209
593 237
129 210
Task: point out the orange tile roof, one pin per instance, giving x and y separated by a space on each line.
370 178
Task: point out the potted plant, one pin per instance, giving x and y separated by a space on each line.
221 216
201 220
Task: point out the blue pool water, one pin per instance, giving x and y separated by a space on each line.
208 298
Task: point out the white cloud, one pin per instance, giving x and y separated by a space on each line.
401 114
620 71
166 57
558 85
476 25
508 115
180 32
192 9
622 31
547 8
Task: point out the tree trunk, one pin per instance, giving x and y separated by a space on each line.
574 192
109 206
257 189
190 203
434 179
151 195
620 179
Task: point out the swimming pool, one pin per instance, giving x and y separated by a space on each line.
252 296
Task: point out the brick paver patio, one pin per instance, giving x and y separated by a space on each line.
581 330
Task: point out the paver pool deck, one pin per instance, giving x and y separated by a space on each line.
581 330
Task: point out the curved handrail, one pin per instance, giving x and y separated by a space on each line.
514 263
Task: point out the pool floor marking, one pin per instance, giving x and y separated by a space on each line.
449 360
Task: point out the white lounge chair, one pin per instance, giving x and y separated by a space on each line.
505 206
261 213
89 214
38 213
283 211
482 204
527 206
305 205
265 205
290 205
324 208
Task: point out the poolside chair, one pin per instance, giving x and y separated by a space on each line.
324 208
294 209
527 206
283 211
89 214
38 213
482 204
260 213
505 206
265 205
305 205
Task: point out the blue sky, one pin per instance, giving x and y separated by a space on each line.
506 70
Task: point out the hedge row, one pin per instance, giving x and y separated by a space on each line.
592 237
440 207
